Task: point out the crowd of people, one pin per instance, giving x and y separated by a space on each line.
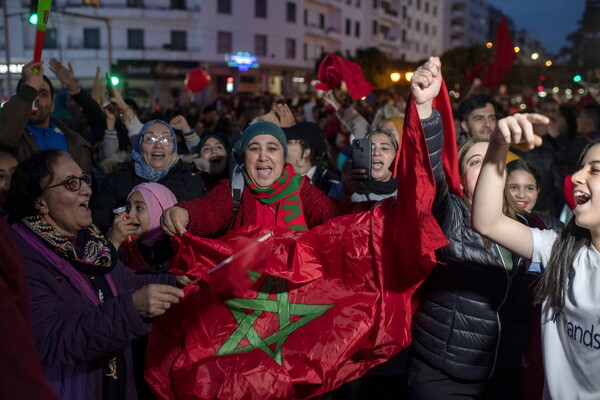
509 311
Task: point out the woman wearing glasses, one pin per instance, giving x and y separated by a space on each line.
154 159
86 306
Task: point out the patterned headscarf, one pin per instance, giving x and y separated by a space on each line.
142 169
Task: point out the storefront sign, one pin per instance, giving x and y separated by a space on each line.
243 61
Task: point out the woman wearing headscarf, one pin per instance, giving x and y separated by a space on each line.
145 205
86 306
309 155
273 195
212 159
154 159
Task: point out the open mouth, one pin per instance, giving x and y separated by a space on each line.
581 197
521 204
377 164
215 160
85 206
264 172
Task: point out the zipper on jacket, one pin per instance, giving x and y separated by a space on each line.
508 285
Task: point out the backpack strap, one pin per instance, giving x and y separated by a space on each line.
237 187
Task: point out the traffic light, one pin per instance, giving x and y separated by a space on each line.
33 8
577 78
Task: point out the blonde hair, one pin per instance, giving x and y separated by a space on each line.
508 206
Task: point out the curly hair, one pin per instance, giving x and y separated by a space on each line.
26 183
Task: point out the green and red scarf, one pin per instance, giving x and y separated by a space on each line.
285 193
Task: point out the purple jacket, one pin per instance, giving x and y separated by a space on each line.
71 329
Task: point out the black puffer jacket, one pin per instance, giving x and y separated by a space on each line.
183 180
475 315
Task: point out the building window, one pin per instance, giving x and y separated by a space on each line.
290 12
178 40
357 29
305 51
260 8
223 42
434 30
135 39
434 11
403 35
135 3
305 17
91 38
178 5
418 25
375 27
418 4
426 28
51 39
260 45
290 48
224 6
321 20
426 7
348 27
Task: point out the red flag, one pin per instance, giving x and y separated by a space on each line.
320 309
334 70
503 59
449 151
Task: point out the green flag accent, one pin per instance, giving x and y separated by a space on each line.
260 304
253 275
42 14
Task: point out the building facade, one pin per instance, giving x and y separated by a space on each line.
245 45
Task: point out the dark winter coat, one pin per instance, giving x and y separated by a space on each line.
475 316
183 180
71 330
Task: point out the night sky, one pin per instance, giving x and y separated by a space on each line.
550 20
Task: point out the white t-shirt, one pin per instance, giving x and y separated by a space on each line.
571 338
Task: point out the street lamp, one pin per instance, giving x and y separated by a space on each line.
517 49
409 75
548 63
535 56
395 76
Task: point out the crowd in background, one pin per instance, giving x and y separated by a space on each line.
122 167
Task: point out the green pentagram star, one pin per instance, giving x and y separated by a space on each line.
260 304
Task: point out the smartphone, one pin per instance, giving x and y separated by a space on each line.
109 87
361 155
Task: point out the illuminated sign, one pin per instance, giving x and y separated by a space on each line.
243 61
14 68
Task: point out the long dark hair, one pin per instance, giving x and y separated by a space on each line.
560 265
26 183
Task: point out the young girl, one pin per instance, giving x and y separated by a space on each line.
570 288
145 205
523 183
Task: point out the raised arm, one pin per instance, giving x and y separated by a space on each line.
487 216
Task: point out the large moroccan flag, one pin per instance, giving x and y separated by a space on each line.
303 312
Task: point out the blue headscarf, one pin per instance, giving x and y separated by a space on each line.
142 169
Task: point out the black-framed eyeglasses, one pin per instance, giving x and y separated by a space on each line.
73 183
